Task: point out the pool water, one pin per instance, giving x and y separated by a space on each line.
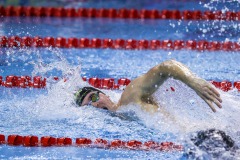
52 111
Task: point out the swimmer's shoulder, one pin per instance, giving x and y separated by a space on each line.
136 96
131 94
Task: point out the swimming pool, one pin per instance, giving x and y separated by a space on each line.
52 112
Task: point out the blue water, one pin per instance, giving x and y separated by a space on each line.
121 28
51 111
154 4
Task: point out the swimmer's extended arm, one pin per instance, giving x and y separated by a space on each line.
141 89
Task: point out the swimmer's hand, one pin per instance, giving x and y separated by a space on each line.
207 92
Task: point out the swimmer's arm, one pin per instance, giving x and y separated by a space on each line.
147 84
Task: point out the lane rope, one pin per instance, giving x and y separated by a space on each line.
107 43
101 83
49 141
106 83
118 13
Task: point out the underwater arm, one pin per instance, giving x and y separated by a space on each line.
148 83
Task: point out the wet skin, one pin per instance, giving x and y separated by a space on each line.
140 90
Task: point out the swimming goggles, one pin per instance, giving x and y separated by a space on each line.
94 98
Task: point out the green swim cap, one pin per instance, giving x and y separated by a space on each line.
81 94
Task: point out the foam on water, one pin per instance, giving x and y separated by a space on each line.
186 112
191 113
54 112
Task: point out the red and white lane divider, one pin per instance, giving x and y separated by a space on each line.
118 13
107 43
102 83
39 82
47 141
23 82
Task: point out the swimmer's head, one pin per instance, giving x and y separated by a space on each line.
92 96
82 93
213 142
213 138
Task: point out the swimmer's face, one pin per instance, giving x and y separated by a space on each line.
102 101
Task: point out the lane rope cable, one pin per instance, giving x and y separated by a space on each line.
13 81
106 83
107 43
48 141
118 13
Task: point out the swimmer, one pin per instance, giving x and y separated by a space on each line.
214 142
141 89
